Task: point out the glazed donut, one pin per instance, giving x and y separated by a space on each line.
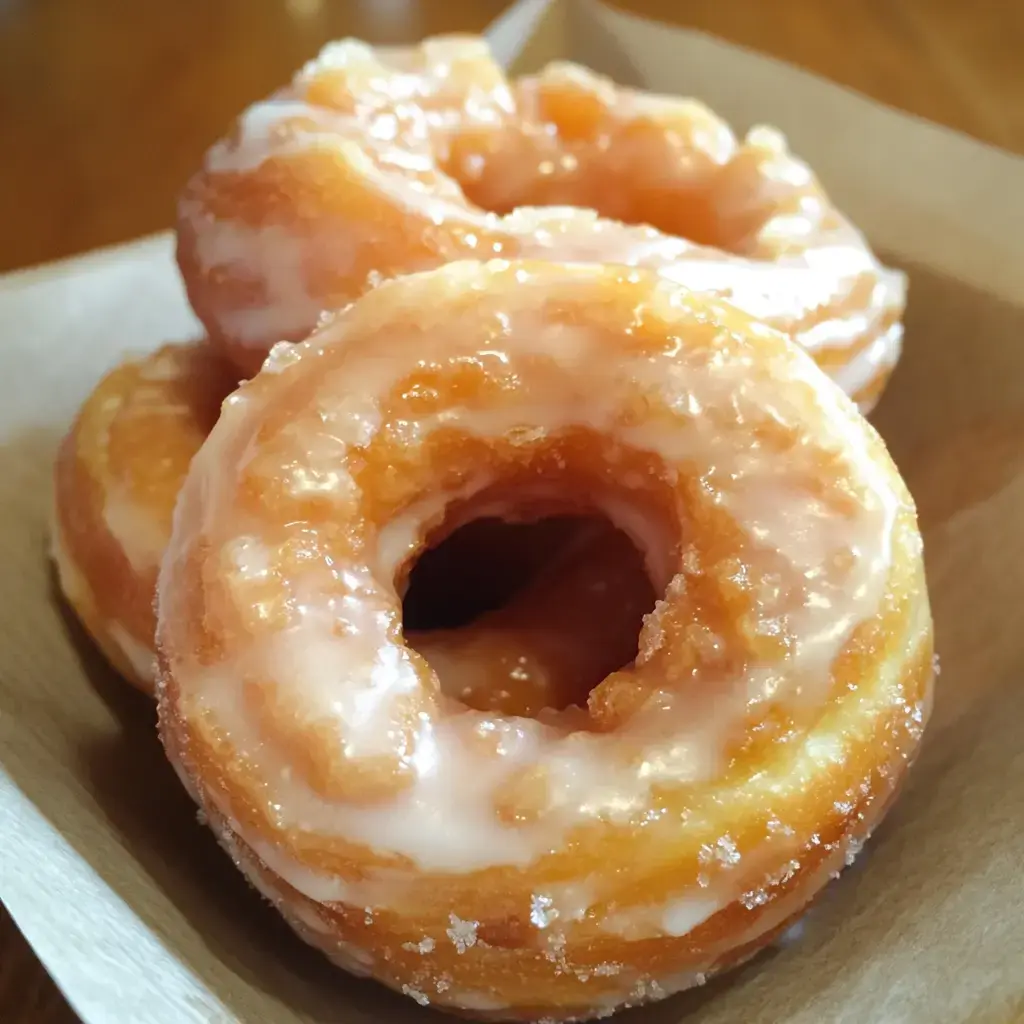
563 865
375 163
117 477
117 480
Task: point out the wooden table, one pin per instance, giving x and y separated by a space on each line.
106 107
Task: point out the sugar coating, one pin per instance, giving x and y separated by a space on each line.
816 556
462 933
424 946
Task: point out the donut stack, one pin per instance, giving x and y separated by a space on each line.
540 625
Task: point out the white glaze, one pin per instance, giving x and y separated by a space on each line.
479 1001
344 664
406 106
141 658
231 247
564 903
72 582
865 366
681 916
137 533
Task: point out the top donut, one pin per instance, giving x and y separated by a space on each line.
379 162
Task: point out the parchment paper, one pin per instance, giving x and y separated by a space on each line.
140 917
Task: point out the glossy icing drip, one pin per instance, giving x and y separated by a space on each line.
400 160
326 659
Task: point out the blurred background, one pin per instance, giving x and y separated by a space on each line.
106 107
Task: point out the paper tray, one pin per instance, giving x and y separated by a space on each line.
138 915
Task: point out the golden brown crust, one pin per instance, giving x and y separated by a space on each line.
747 847
117 473
339 181
537 985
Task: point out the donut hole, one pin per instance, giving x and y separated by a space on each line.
479 568
548 609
